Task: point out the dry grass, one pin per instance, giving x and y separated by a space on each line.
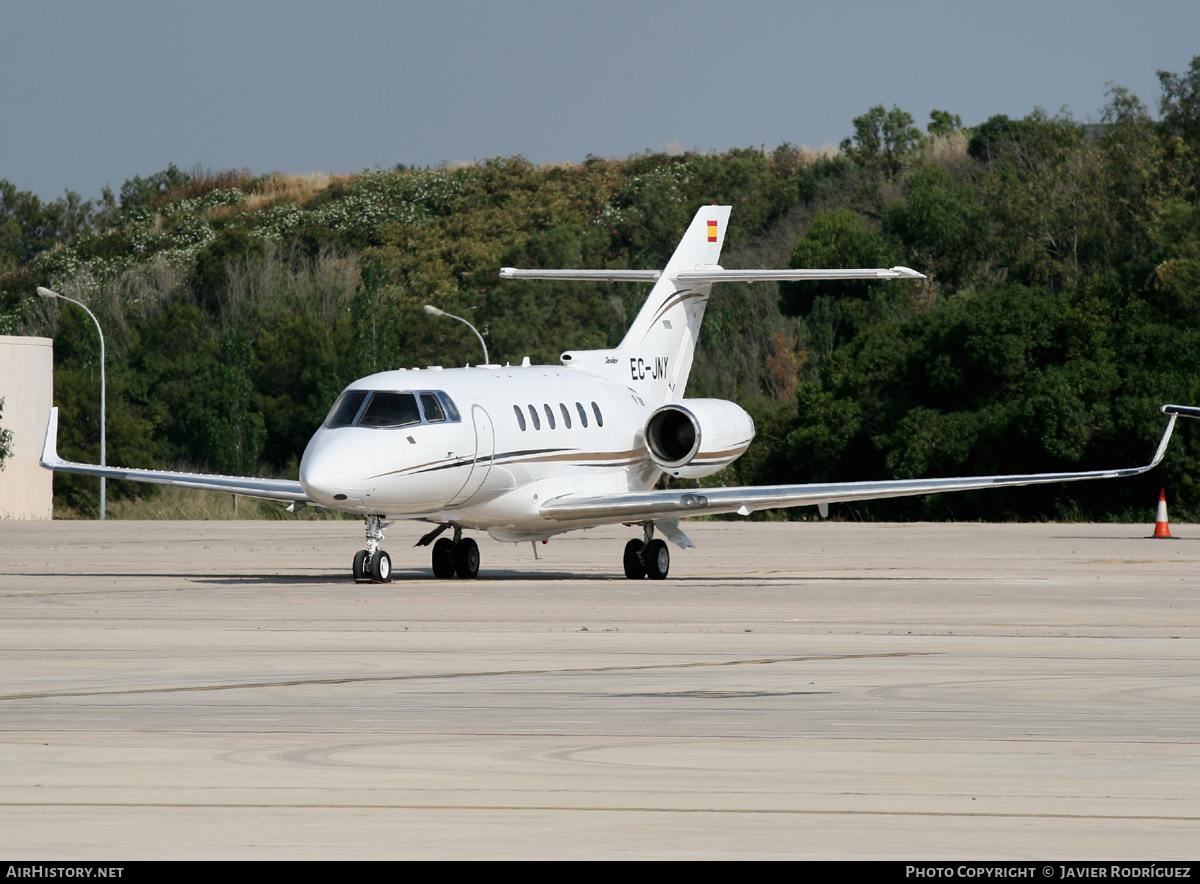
324 284
294 188
201 181
948 150
221 212
825 151
187 504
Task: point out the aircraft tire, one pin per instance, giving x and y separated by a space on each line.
381 567
360 567
466 558
443 559
634 569
658 559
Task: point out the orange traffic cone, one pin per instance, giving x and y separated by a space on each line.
1161 528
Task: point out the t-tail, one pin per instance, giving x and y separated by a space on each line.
655 357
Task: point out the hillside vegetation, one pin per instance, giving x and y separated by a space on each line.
1060 309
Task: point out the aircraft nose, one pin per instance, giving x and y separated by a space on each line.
336 471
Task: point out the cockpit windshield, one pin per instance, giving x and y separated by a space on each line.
390 410
346 409
386 408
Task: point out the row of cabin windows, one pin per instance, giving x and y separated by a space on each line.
566 416
385 408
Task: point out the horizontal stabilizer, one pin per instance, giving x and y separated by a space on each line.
721 275
714 274
583 275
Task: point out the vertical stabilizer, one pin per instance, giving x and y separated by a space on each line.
655 357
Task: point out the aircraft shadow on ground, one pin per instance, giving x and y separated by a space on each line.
399 577
1131 537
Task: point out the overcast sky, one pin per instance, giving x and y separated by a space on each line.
93 93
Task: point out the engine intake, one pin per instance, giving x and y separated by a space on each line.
697 437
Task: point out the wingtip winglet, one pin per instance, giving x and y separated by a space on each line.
50 456
1162 446
1184 410
1175 411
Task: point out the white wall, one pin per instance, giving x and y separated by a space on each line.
27 388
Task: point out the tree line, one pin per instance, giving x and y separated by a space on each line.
1059 309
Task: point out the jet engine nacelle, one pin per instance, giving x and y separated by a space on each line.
696 437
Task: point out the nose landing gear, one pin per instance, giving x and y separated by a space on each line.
373 565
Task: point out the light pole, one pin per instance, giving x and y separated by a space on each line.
434 311
50 296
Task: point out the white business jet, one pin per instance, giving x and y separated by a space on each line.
530 451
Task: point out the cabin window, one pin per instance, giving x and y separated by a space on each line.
582 414
432 408
390 410
566 415
599 416
345 410
537 422
520 417
549 415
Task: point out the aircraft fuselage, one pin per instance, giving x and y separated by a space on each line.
485 448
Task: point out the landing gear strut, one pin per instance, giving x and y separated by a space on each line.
647 558
373 565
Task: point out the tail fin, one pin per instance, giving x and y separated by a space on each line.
655 357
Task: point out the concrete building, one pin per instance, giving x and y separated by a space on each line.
27 388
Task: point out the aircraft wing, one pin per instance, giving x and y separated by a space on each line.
248 486
673 504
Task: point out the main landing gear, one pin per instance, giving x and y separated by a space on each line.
373 565
647 558
459 556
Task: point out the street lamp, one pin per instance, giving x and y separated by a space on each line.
434 311
50 296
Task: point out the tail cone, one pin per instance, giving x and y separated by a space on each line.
1161 528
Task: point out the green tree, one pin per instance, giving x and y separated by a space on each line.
882 138
28 226
942 224
836 238
230 432
1132 161
1174 284
300 371
1180 127
233 247
1041 181
142 192
5 440
943 123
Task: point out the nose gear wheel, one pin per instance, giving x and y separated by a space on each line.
373 565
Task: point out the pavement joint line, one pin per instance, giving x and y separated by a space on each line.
359 679
603 809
